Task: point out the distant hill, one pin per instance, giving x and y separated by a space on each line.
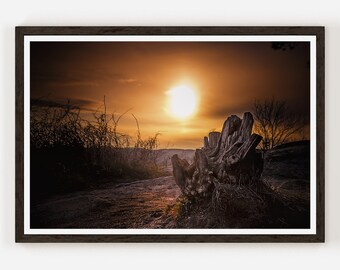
292 144
164 155
289 161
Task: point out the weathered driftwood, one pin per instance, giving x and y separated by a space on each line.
228 157
213 138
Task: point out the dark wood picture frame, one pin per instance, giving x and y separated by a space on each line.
318 32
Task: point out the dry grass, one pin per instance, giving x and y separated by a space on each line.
69 153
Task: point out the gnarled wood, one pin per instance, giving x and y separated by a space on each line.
213 138
206 142
227 157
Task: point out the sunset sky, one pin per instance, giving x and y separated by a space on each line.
225 77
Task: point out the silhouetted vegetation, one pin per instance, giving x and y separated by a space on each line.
276 123
69 152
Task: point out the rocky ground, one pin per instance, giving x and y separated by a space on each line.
287 171
150 203
140 204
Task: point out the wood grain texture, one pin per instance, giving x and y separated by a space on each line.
19 134
319 32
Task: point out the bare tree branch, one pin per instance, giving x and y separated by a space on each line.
275 122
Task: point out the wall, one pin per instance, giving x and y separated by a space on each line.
154 13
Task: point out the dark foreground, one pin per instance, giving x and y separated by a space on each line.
155 203
140 204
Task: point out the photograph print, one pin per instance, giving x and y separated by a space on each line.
163 135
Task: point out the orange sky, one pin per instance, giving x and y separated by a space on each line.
227 77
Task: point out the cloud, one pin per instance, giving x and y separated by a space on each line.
126 80
83 104
224 110
80 78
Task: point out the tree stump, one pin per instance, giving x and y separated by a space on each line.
229 157
213 138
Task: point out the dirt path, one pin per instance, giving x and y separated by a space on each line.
140 204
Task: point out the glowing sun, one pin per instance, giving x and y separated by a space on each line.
182 101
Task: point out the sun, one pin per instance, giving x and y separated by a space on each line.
182 101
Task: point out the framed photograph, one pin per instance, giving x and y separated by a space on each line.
170 134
